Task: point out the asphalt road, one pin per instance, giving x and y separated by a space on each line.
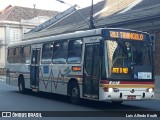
12 100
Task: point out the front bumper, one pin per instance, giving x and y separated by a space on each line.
126 94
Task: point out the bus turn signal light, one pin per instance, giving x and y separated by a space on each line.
76 68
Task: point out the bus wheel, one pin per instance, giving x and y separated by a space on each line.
74 93
21 85
117 102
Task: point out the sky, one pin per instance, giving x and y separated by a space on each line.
46 4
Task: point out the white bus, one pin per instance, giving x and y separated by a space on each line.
102 64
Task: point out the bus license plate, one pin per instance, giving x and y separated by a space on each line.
131 97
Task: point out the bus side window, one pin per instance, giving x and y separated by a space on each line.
47 51
17 57
26 54
74 51
60 52
10 56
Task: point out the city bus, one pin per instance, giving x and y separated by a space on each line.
105 64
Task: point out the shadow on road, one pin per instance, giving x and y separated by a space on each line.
87 103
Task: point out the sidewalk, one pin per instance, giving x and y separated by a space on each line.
3 77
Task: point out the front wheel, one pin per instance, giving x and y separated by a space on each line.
75 93
21 86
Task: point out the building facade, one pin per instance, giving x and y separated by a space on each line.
15 21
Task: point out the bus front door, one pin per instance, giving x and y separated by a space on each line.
34 68
91 71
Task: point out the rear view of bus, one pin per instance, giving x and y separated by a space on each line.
127 66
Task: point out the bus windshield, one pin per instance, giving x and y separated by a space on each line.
128 60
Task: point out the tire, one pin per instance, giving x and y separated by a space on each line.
117 102
21 85
74 93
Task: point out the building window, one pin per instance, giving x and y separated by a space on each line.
15 35
2 35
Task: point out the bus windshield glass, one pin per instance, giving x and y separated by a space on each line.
128 60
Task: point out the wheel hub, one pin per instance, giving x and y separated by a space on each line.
74 92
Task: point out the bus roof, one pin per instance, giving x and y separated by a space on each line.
77 34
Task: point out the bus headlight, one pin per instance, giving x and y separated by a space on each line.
149 90
110 89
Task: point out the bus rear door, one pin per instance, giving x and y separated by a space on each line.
34 69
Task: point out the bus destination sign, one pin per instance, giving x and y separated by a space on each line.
127 35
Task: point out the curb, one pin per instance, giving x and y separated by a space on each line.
3 77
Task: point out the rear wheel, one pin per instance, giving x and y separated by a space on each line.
21 85
74 93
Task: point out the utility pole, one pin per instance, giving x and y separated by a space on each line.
91 17
35 14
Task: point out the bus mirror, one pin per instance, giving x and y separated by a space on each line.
129 55
128 49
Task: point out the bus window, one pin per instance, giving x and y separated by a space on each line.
126 60
74 51
10 56
119 62
60 52
47 51
26 54
17 58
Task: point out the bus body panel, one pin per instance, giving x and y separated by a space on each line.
55 77
126 94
